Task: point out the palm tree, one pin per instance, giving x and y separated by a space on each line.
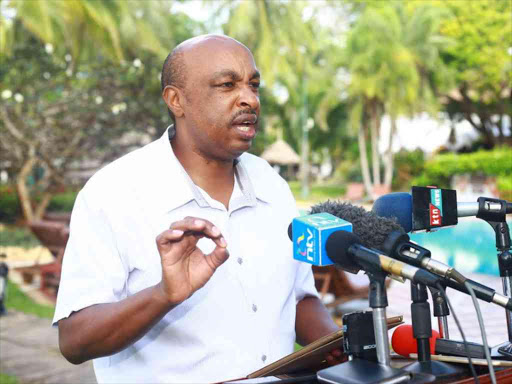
85 28
292 51
392 52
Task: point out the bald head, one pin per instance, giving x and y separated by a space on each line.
174 69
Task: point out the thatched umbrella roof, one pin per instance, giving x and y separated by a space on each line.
280 153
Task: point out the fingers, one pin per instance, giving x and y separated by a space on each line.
331 360
217 257
335 357
200 228
170 235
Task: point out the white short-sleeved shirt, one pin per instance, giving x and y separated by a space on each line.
240 321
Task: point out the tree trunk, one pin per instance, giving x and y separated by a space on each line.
485 125
43 204
365 169
374 134
23 193
388 159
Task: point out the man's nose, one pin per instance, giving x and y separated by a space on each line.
249 98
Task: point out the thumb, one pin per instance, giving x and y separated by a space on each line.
218 256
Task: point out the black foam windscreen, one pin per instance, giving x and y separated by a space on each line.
371 229
337 246
397 205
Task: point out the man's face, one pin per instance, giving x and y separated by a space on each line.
222 105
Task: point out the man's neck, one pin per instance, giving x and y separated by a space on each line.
216 177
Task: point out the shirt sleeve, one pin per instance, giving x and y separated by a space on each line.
92 271
304 279
305 282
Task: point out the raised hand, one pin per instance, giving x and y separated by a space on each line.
185 268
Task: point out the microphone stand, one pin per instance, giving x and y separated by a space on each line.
366 371
378 301
487 211
361 371
422 332
441 311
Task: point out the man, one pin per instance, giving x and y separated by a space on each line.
218 294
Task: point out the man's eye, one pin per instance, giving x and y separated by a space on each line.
228 84
255 85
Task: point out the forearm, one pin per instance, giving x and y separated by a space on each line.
312 321
104 329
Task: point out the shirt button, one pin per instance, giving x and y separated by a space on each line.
264 358
240 260
254 308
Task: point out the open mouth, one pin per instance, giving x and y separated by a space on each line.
246 124
245 127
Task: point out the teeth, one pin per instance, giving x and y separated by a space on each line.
243 128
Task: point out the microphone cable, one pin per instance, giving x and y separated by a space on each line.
473 372
482 331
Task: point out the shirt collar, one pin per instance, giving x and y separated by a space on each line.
179 189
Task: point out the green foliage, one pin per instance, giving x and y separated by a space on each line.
298 58
318 192
11 236
497 162
408 164
19 301
393 58
78 91
90 82
9 204
10 210
482 34
8 379
62 202
480 62
112 29
393 54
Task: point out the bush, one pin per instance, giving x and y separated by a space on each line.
497 162
62 202
10 209
407 165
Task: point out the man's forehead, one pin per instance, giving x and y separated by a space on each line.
203 42
206 51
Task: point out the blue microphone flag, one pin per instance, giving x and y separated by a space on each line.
310 234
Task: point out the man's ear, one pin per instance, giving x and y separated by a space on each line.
173 97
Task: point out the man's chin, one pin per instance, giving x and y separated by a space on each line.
240 148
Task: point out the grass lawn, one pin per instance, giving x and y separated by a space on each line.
6 379
19 301
317 193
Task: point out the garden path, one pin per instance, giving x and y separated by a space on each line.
29 350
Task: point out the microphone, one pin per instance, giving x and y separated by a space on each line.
385 234
404 343
411 210
388 236
309 235
345 250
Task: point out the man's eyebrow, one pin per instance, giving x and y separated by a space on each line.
226 73
233 75
255 75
